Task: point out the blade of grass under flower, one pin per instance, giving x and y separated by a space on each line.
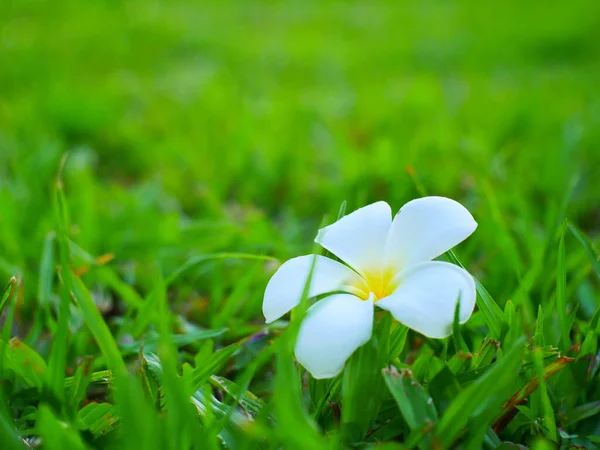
293 425
361 406
415 405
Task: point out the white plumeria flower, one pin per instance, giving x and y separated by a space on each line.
389 265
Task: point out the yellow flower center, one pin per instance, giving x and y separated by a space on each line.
379 282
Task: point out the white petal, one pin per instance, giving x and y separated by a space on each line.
426 298
286 286
425 228
331 331
359 238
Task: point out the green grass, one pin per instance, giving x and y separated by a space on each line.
157 160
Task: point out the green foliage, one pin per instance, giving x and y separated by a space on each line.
27 364
416 406
159 159
362 391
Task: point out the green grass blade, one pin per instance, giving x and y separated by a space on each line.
47 271
55 433
202 372
97 418
484 393
414 403
26 363
294 427
58 355
78 389
549 421
98 327
125 292
7 293
8 434
7 325
490 309
397 340
181 416
137 415
362 405
151 340
247 400
99 377
588 247
590 342
538 336
197 260
509 408
581 412
561 296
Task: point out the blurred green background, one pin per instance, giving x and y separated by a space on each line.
197 127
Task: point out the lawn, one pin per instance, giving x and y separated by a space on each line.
160 160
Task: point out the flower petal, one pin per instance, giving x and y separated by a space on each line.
425 228
426 297
286 286
331 331
358 239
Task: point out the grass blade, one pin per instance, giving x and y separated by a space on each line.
98 327
414 403
7 294
361 406
490 309
8 434
561 287
521 395
25 362
97 418
588 247
197 260
58 355
480 395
